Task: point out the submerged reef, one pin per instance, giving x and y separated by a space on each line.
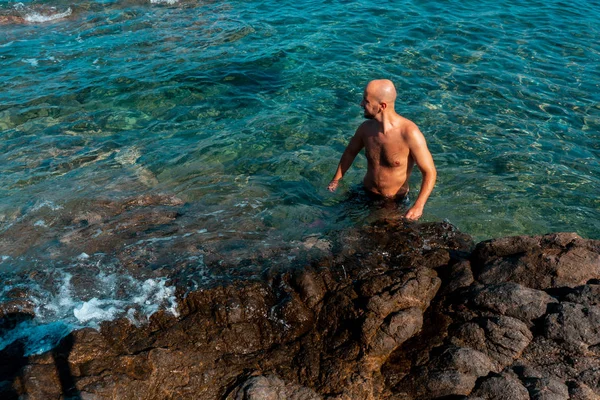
393 310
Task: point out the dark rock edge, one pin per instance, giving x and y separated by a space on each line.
395 311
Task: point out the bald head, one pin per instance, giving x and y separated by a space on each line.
379 98
382 90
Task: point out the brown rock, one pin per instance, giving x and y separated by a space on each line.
581 391
574 323
500 387
272 388
510 299
539 262
448 383
547 389
587 295
460 276
502 339
365 323
393 332
463 359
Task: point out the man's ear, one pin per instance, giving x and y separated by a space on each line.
383 105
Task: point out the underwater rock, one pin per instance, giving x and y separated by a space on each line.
11 19
396 310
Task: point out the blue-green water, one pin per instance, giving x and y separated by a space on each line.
242 109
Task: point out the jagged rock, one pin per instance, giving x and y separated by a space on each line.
591 377
15 311
560 360
546 389
463 359
539 262
514 320
399 328
574 323
501 338
587 295
580 391
500 387
311 287
447 383
272 388
510 299
454 371
460 276
39 381
413 292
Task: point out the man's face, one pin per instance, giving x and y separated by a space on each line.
370 106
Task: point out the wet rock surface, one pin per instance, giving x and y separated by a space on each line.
392 311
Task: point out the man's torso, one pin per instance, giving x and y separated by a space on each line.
388 158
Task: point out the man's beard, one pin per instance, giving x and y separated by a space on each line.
368 116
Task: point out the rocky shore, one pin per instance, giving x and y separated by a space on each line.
393 311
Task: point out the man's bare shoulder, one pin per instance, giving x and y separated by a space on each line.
366 126
410 130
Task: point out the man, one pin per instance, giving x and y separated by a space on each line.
393 144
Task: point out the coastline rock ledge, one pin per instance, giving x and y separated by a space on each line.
394 310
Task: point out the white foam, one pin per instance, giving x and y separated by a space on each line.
213 213
64 295
155 240
255 204
40 222
171 2
37 17
150 296
31 61
128 156
46 203
62 303
154 293
97 310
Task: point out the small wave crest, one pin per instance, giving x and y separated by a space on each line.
38 17
36 14
66 301
171 2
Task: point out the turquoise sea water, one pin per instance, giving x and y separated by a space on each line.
242 109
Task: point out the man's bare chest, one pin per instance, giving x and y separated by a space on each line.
386 151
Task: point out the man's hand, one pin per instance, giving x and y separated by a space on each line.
333 185
414 213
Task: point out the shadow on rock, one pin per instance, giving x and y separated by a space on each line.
43 376
12 358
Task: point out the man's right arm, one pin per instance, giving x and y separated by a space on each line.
354 147
420 153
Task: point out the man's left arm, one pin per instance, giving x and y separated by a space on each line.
420 153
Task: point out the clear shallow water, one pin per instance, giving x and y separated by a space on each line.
242 110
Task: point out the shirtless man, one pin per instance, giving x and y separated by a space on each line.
393 145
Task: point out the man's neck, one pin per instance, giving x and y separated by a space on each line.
388 121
